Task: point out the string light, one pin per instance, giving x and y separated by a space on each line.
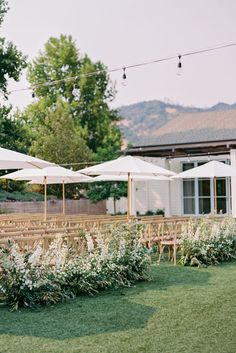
124 74
93 73
188 158
179 66
76 91
124 77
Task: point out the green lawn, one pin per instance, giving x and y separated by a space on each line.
182 310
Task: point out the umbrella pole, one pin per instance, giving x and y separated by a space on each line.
45 198
133 210
215 197
129 197
63 199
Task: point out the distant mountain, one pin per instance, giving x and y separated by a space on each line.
222 106
140 120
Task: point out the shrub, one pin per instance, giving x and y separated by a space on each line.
208 241
25 281
158 211
22 196
149 213
114 258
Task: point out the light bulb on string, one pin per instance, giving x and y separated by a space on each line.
188 158
179 67
76 91
124 77
209 157
33 95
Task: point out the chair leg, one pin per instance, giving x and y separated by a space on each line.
174 253
169 255
161 248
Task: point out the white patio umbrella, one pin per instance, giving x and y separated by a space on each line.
49 175
213 169
14 160
128 166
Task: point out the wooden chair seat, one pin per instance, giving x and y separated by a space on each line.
173 246
170 242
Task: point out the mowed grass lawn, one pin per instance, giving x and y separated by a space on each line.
182 310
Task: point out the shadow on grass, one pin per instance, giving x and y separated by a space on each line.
102 313
84 316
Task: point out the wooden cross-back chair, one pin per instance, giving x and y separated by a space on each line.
170 239
152 233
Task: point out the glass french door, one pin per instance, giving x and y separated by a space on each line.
204 196
221 191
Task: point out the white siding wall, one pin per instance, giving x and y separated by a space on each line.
175 189
121 205
140 197
152 195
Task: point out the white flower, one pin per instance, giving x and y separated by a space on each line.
90 244
35 257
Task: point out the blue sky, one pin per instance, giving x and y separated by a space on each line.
129 31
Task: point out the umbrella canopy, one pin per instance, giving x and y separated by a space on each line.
57 172
81 178
209 170
49 175
128 166
213 169
125 178
125 165
14 160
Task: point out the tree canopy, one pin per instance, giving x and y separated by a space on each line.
59 61
12 61
65 127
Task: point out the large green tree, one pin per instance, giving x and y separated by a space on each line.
12 62
59 61
12 131
64 127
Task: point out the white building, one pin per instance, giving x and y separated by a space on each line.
186 142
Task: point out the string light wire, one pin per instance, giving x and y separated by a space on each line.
132 66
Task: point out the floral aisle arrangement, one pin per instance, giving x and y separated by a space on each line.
114 258
208 241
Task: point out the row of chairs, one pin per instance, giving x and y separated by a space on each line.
28 232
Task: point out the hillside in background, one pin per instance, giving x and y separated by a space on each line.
140 120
